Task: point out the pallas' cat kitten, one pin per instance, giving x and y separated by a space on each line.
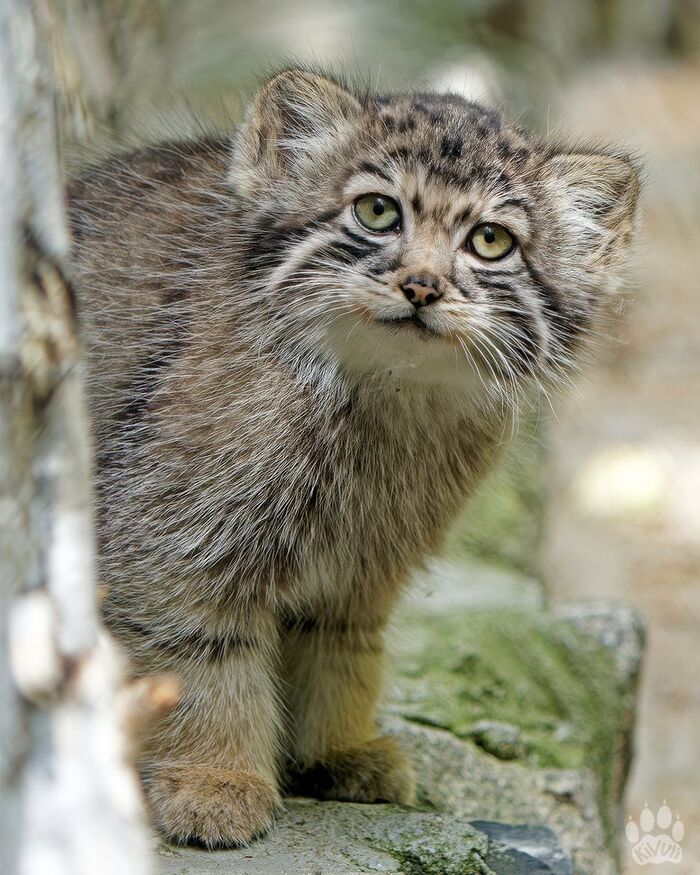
304 346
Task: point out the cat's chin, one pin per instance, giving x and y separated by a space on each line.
412 324
412 354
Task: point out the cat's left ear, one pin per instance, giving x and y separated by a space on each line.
296 122
599 195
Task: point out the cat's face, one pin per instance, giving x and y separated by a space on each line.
426 236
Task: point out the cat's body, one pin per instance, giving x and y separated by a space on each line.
274 456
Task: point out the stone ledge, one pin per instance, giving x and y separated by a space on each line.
331 838
334 838
518 723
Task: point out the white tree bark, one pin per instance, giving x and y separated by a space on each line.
71 804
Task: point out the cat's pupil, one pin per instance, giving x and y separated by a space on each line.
378 207
489 235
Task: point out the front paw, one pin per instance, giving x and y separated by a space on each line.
209 806
376 771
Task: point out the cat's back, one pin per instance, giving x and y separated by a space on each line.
132 215
145 226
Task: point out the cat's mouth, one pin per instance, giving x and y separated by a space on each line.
408 323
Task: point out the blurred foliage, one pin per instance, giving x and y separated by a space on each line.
156 53
502 522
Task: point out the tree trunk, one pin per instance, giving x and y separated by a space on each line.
70 799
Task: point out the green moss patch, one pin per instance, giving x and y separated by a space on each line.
521 685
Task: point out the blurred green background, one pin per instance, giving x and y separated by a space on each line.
516 52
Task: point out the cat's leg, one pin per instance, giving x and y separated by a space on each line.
210 769
333 674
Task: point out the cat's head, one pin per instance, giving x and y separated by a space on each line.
426 235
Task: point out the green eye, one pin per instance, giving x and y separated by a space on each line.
490 241
377 212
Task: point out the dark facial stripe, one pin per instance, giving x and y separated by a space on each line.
464 292
375 170
341 251
494 284
267 248
525 344
353 250
485 273
549 297
268 245
566 323
363 241
515 202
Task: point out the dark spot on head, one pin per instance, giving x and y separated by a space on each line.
520 155
504 150
420 105
489 174
502 178
401 154
493 120
449 176
450 148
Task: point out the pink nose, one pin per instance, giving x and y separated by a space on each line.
420 291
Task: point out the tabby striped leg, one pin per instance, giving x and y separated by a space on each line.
210 767
334 676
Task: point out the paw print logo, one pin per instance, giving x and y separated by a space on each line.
651 842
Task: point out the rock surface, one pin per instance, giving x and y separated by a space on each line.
518 723
524 850
333 838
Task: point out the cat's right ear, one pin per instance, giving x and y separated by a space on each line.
295 124
598 196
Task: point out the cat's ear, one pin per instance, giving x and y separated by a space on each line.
598 194
297 120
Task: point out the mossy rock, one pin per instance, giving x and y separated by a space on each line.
539 688
521 669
